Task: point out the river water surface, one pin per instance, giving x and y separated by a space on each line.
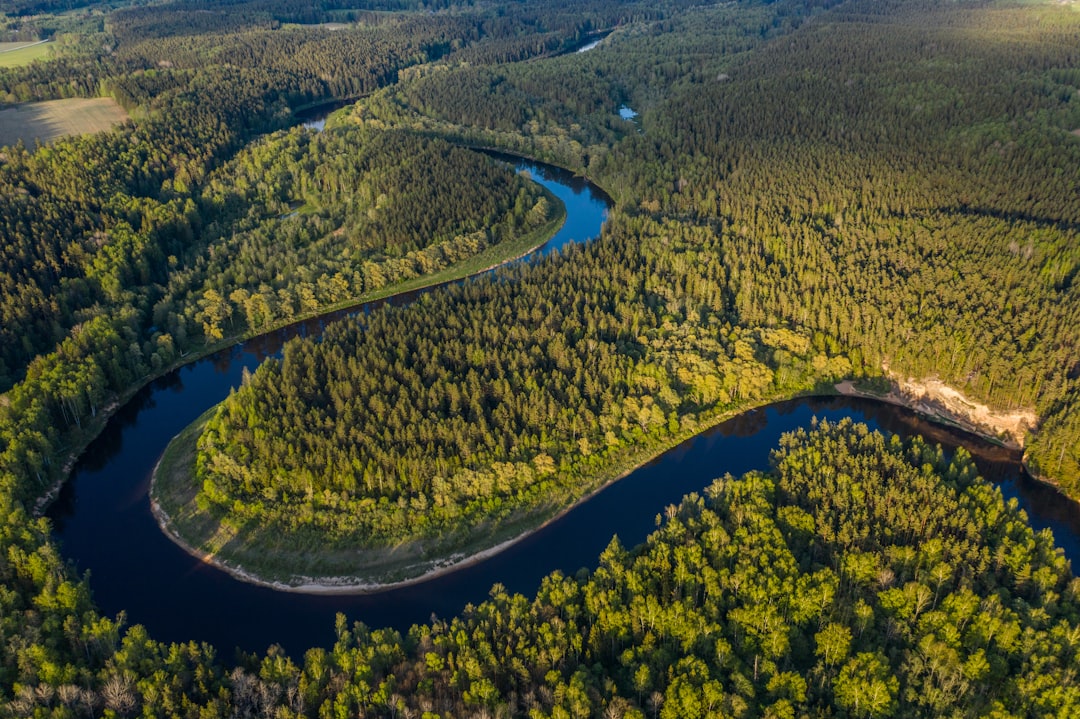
104 523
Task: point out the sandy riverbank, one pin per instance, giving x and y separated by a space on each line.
425 571
332 585
938 401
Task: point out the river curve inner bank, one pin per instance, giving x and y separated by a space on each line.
584 210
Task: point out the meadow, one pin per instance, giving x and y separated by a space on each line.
16 54
45 121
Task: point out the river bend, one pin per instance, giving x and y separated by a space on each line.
103 519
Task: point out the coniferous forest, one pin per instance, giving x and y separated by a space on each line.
895 251
811 191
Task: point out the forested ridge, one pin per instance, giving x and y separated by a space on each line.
811 190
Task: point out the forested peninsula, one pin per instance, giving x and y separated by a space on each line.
810 191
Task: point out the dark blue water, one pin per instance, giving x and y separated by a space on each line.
104 522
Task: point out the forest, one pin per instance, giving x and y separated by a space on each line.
812 191
861 576
440 418
895 252
307 221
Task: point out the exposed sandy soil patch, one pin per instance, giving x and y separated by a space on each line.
935 399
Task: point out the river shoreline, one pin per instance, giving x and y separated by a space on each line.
943 404
356 585
423 570
107 527
98 422
347 585
999 428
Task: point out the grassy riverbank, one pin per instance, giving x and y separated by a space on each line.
269 556
266 556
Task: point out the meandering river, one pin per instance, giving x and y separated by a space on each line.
104 523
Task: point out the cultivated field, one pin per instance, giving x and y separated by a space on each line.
49 120
13 54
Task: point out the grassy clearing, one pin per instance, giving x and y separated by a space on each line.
45 121
16 54
173 489
877 386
